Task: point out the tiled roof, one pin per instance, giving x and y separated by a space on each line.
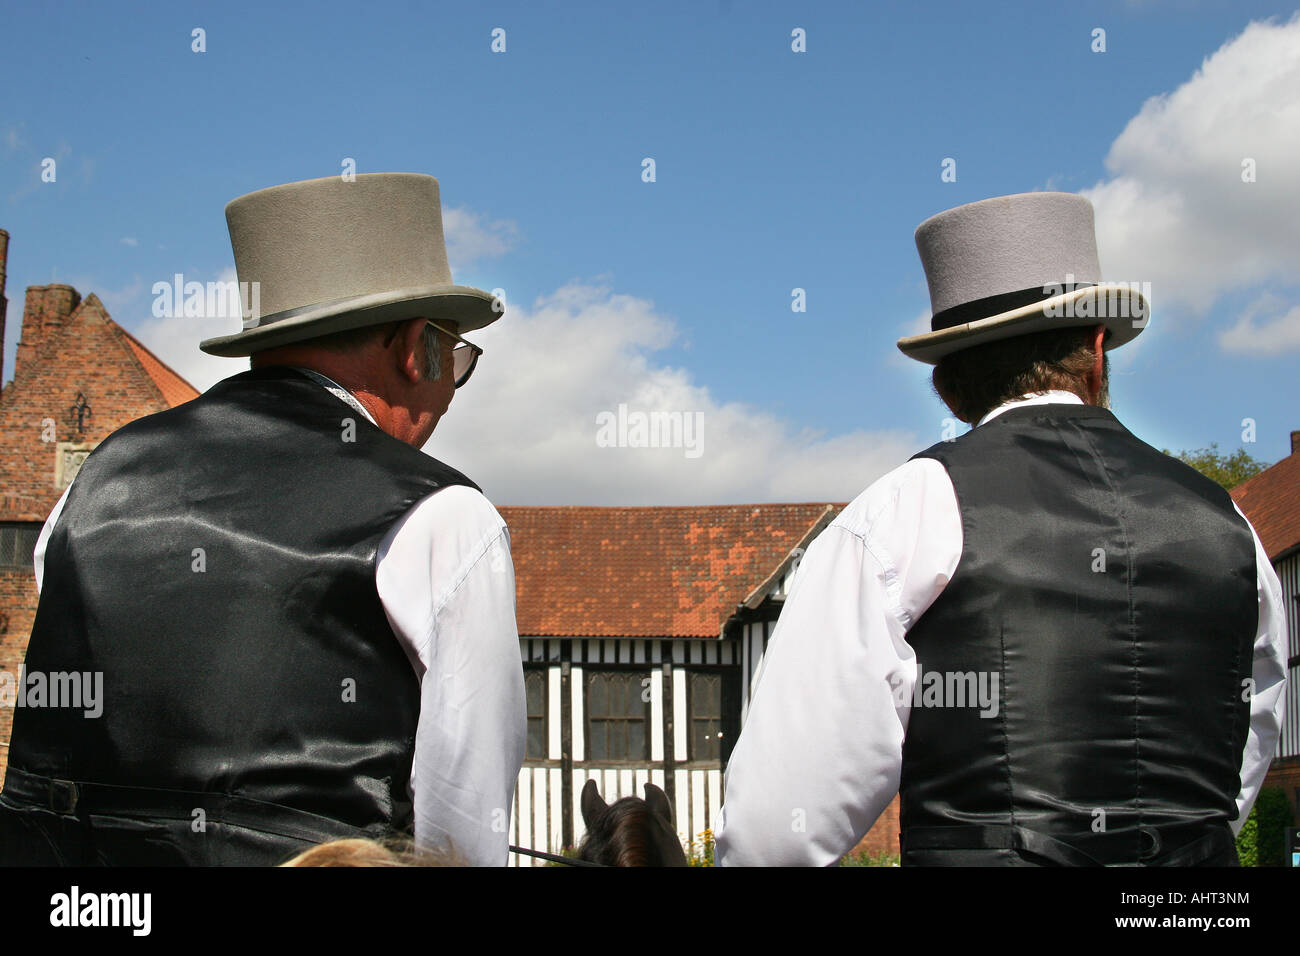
647 572
175 390
1271 500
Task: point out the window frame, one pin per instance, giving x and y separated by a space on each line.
24 558
728 676
638 672
543 673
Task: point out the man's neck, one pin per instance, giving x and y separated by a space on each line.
1053 397
337 390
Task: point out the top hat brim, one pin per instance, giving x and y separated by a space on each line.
468 308
1123 310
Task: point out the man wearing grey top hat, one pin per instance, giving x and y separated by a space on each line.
1058 645
305 624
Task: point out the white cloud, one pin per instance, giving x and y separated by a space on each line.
130 241
176 339
1175 211
470 237
1278 332
525 427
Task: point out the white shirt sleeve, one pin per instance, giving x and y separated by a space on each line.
43 539
821 752
447 583
1268 673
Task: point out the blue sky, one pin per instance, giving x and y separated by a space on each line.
775 170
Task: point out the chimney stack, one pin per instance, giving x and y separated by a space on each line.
46 309
1295 442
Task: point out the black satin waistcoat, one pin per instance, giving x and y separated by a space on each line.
1112 591
216 562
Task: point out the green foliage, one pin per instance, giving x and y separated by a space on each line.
1227 470
1247 840
700 853
866 858
1262 841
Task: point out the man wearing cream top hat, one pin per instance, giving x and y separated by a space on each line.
305 624
1058 645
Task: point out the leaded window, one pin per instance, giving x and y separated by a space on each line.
17 542
618 715
704 710
535 694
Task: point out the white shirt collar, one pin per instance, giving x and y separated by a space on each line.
1054 397
337 390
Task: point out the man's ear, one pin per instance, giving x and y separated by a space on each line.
407 349
1097 374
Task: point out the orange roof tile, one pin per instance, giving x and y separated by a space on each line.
175 390
1271 500
647 572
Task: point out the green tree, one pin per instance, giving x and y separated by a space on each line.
1227 470
1262 841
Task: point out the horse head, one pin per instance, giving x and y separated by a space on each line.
630 831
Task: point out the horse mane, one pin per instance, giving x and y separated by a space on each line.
620 836
629 831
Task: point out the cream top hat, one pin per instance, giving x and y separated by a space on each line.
330 255
1013 265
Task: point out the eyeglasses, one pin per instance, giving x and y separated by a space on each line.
463 357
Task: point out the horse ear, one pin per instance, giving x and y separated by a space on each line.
591 802
658 803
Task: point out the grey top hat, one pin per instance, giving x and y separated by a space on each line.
1013 265
330 255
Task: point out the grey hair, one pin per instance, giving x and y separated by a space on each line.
432 354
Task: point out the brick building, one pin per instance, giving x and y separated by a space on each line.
1271 500
77 376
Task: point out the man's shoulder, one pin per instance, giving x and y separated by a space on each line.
990 444
904 489
273 419
457 519
445 534
446 476
462 506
